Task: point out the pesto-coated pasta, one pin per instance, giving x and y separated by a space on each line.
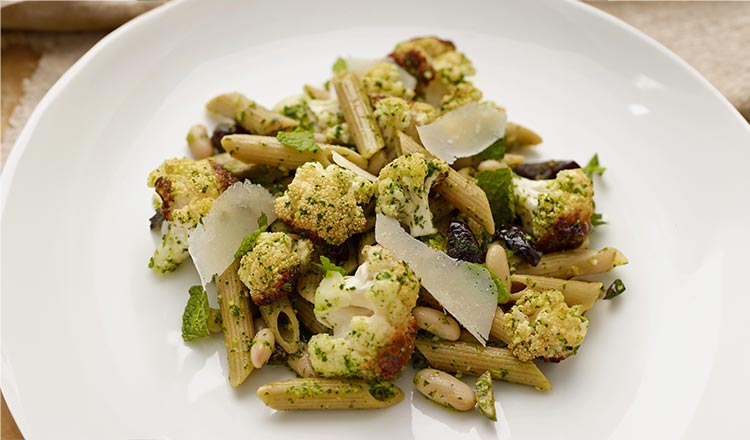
237 321
474 359
319 393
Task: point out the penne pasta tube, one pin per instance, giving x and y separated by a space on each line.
306 316
237 321
518 136
498 331
568 264
316 92
457 189
355 105
319 393
281 319
575 291
474 359
308 282
249 114
267 150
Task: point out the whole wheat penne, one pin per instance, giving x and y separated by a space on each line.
457 189
498 331
306 315
237 322
267 150
355 105
575 291
249 114
568 264
518 136
316 93
281 319
319 393
474 359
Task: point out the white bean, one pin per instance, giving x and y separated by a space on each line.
199 142
444 389
262 348
437 323
497 263
489 165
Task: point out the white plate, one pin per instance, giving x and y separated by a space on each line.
91 343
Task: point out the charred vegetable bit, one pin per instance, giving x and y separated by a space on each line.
156 220
222 130
614 289
544 170
518 242
462 244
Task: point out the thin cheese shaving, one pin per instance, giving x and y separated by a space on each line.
466 291
463 132
233 215
351 166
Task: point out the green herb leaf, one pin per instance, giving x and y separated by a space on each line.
614 289
498 185
593 167
299 140
248 243
495 151
503 295
196 315
329 266
597 219
339 65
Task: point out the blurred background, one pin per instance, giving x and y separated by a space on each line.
42 39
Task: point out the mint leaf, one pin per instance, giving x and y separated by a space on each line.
328 266
593 167
495 151
196 315
498 185
339 65
597 219
299 140
248 243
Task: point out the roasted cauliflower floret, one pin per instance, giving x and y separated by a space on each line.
403 189
187 189
541 325
383 80
270 268
416 56
459 94
370 314
556 213
395 114
327 204
441 72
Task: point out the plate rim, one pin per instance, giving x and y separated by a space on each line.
19 147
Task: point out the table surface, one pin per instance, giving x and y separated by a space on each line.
714 37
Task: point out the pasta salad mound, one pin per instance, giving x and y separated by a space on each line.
384 218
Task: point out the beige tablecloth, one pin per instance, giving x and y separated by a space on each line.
712 36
